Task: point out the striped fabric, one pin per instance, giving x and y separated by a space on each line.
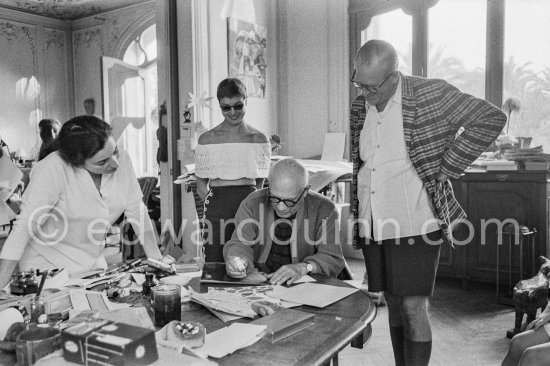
433 111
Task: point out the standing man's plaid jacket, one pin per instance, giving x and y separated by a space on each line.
433 111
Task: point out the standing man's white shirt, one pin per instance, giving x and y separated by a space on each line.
391 195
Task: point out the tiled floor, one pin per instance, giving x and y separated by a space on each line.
468 327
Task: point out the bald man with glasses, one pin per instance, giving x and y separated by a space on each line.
285 228
404 150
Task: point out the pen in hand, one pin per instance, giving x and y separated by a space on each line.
240 265
236 267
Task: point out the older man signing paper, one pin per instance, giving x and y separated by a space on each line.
286 227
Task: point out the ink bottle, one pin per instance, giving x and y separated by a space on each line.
148 284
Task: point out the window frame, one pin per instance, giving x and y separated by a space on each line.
361 12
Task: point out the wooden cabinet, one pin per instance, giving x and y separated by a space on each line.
491 199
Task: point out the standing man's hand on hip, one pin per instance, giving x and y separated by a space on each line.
441 177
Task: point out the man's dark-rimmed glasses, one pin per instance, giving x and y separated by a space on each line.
288 202
368 88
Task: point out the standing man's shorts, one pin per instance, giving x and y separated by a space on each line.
402 268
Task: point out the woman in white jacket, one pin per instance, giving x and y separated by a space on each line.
80 186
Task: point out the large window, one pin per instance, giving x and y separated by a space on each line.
527 69
455 40
394 27
456 44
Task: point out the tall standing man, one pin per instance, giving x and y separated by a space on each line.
404 150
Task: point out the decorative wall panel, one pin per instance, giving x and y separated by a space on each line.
56 77
21 87
87 52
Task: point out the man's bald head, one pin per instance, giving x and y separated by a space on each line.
377 54
288 175
288 180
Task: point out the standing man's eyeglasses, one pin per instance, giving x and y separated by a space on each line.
237 107
288 202
368 88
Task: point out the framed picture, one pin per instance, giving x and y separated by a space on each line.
246 55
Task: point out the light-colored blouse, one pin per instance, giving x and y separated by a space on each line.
232 161
64 218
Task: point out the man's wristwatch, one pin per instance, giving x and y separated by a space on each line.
309 268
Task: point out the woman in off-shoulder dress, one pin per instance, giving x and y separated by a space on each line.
231 161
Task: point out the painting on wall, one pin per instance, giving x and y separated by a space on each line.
246 55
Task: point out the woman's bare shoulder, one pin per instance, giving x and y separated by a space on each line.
209 137
256 136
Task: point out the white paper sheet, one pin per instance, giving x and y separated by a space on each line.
58 281
305 279
92 300
229 339
137 317
313 294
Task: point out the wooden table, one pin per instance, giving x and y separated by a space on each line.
336 326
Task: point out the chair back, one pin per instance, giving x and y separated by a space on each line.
147 185
199 204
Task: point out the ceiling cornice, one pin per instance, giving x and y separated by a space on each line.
67 10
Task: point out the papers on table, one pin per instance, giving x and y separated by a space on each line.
82 300
180 279
312 294
59 280
226 302
305 279
229 339
138 278
136 316
89 283
230 303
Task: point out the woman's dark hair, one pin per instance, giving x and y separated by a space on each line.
46 126
231 88
79 139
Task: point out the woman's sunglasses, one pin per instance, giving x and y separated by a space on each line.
237 107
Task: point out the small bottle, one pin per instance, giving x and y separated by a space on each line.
37 308
148 284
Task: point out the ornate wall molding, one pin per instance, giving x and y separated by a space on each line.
54 38
66 9
124 30
115 32
86 38
11 31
